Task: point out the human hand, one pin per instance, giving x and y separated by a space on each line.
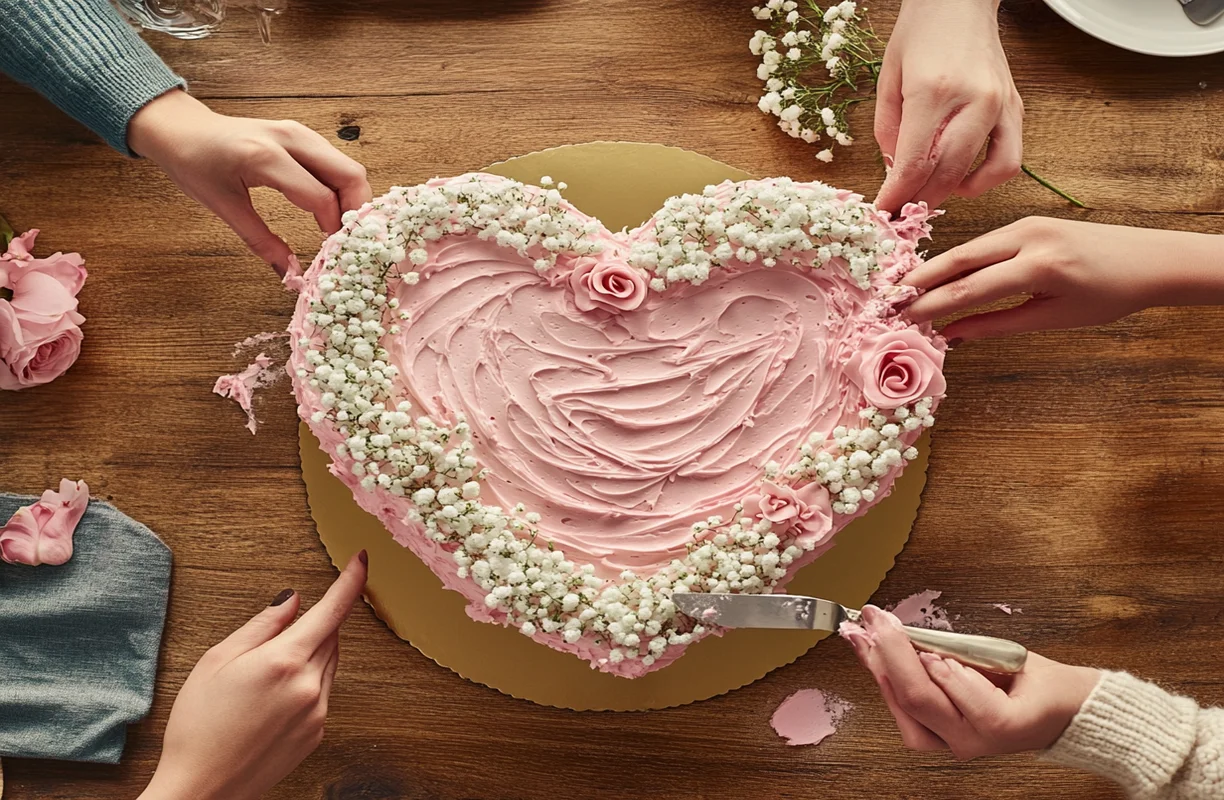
1077 274
217 159
940 704
945 87
255 704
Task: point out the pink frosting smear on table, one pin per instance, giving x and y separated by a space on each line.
240 387
1006 608
809 716
921 611
258 339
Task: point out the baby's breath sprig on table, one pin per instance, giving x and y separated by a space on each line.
803 41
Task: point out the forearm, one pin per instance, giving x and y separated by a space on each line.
84 58
1155 744
1191 273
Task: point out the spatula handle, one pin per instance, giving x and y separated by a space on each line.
983 652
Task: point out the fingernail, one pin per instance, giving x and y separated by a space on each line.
935 665
364 558
954 342
282 597
871 615
888 160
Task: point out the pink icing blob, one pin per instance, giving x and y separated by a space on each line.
240 387
920 610
809 716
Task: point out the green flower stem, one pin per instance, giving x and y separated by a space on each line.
1029 172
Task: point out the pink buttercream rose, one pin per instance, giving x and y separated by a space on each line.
40 333
42 533
610 287
896 368
805 511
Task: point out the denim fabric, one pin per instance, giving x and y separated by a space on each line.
79 642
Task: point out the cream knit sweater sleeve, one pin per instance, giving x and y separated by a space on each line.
1155 744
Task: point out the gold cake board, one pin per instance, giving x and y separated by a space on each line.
622 184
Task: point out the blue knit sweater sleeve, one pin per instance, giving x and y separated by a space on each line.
82 56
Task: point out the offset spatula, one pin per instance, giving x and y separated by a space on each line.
812 613
1203 12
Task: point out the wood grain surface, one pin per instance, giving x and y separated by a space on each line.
1075 475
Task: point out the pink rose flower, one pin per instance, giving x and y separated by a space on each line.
40 333
896 368
42 533
609 287
804 512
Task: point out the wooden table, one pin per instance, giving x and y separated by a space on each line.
1074 475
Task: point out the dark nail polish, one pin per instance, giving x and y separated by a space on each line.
954 342
364 558
282 597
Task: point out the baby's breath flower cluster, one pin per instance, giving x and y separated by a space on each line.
851 464
804 38
775 221
527 580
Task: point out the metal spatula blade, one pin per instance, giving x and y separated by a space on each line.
797 612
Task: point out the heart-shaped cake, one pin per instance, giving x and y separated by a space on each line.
570 425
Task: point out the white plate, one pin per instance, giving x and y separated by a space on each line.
1154 27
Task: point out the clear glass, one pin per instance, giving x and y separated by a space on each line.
195 19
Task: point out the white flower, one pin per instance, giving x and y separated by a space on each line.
808 135
791 113
792 17
762 13
825 155
793 54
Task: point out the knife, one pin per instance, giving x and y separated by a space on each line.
1203 12
811 613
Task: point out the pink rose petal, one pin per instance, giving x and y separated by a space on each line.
41 533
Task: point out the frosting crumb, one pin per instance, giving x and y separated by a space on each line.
809 716
240 387
1007 609
921 611
251 342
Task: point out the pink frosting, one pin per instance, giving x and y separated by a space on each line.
805 512
42 533
809 716
897 367
608 286
40 333
293 280
620 429
922 610
240 387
